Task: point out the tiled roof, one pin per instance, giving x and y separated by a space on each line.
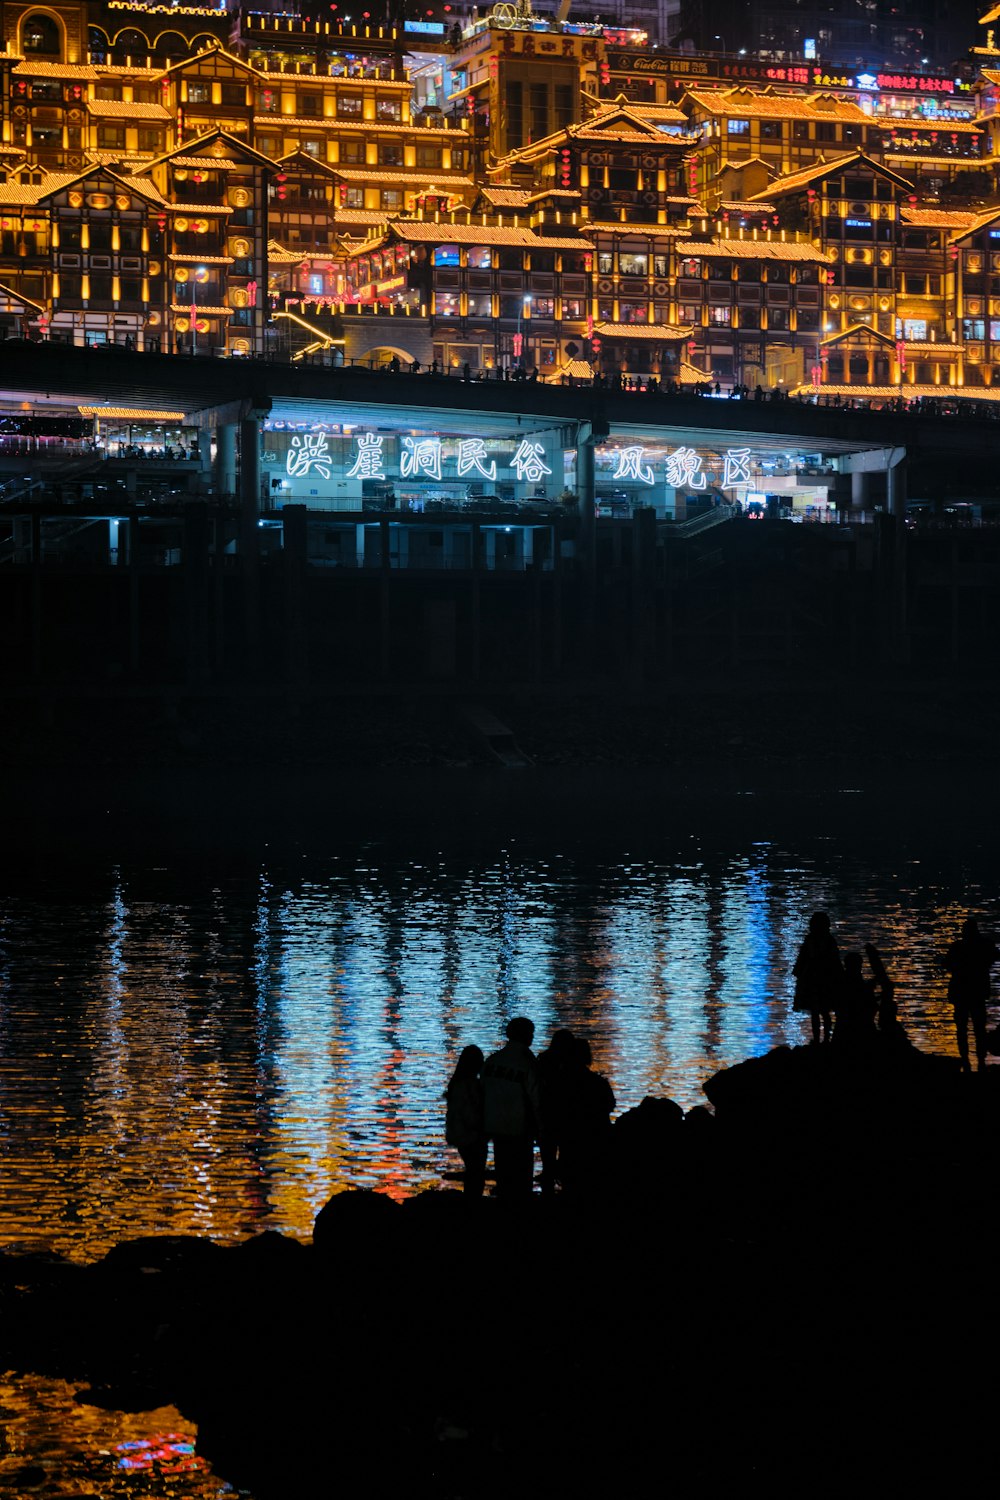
132 413
506 197
360 216
753 250
53 70
940 126
478 234
656 111
937 218
202 260
746 208
279 256
16 193
415 176
614 226
199 311
908 392
577 368
127 70
119 109
918 158
662 331
380 127
206 163
764 105
198 209
821 169
620 133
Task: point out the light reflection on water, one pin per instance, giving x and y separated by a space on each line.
84 1450
186 1055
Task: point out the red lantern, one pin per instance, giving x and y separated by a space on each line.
281 180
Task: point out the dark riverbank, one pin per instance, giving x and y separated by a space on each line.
395 764
820 1329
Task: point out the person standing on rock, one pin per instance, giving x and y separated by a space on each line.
463 1126
818 976
512 1110
968 962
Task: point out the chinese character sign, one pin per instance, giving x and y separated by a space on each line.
308 453
529 462
472 459
736 468
684 467
632 466
421 456
368 459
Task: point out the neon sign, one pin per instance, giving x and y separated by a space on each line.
308 453
684 467
421 456
631 465
529 462
368 462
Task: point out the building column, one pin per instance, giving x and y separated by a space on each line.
860 489
225 459
249 490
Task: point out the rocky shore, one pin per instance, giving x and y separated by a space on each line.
788 1296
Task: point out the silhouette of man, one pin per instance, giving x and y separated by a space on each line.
586 1131
512 1109
968 961
553 1067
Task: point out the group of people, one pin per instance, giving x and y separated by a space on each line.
829 985
516 1100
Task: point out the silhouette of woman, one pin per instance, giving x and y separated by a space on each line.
818 976
464 1127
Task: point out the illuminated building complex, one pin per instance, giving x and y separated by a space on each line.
521 195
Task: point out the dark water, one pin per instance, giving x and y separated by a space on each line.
194 1040
214 1015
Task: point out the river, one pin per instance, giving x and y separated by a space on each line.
203 1033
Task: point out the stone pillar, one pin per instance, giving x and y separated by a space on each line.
896 486
295 567
860 488
225 459
249 497
250 465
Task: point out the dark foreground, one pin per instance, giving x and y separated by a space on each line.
792 1296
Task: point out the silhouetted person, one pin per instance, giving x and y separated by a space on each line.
586 1128
512 1109
464 1126
968 961
857 1005
553 1065
818 975
890 1027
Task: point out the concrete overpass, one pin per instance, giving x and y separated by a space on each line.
223 397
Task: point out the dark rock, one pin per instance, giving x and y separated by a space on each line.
184 1253
351 1217
270 1253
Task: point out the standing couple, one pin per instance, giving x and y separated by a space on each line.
497 1099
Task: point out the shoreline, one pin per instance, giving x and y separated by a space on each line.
718 1315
